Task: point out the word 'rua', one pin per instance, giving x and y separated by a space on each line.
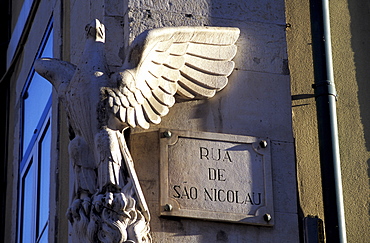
162 65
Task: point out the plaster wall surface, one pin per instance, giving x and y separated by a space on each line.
303 107
350 30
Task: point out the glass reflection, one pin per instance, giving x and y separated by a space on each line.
35 99
29 196
43 211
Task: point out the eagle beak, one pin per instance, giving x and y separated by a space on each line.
96 31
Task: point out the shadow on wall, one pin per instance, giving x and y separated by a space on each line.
360 30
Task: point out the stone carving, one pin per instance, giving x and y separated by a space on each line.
162 65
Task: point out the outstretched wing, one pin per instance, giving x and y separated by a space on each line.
187 62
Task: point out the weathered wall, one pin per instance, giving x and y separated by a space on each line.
350 30
352 74
256 102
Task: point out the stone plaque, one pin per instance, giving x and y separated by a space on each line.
216 177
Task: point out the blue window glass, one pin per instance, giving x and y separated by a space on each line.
35 184
44 165
33 213
28 193
44 237
35 99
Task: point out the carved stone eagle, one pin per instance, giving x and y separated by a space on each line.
163 65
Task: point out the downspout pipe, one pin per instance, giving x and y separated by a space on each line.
326 96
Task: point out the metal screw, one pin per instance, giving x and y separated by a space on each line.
168 207
263 144
267 217
167 134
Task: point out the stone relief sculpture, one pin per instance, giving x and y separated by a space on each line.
162 65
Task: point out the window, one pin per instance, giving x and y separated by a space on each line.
34 169
18 29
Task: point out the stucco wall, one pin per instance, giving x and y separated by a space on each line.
350 30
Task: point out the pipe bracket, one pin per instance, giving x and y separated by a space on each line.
325 87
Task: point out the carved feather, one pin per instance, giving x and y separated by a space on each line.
192 62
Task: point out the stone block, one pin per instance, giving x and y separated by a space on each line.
261 46
115 42
253 103
284 177
140 20
115 7
257 11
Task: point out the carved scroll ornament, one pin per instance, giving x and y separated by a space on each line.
162 65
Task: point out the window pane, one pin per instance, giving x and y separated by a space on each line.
36 146
29 196
35 100
48 49
44 179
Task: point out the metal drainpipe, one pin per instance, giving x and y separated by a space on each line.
325 94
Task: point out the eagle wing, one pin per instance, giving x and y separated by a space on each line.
182 62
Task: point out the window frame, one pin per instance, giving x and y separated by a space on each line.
30 155
33 159
19 28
